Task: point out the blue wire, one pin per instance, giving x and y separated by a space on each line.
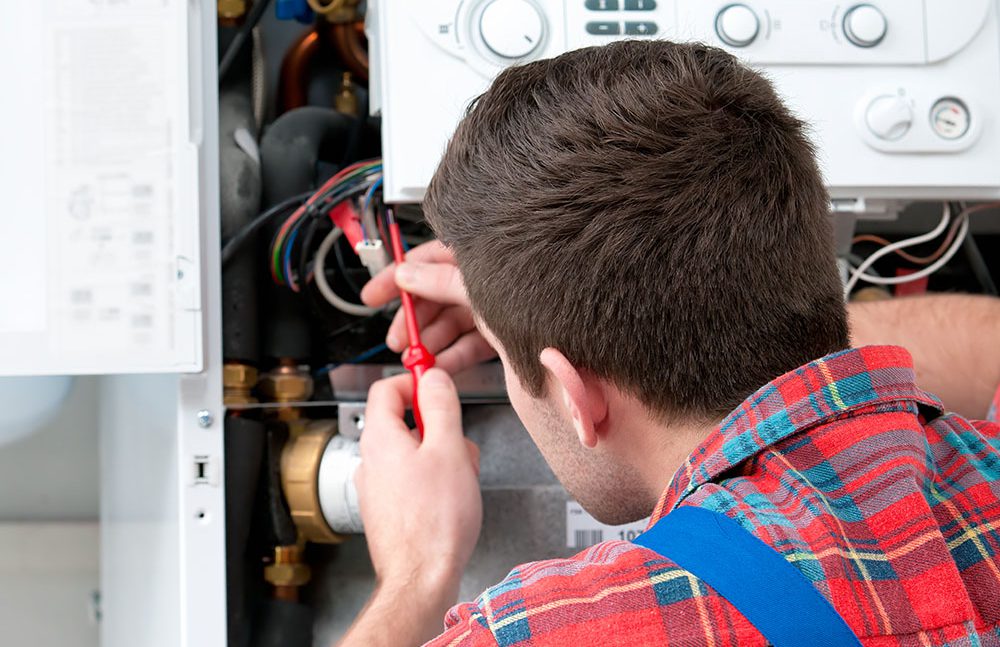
367 355
288 252
368 195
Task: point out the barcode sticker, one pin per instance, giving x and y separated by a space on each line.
583 531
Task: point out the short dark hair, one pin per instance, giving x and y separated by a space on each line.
652 210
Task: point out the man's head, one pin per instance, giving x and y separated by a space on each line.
653 215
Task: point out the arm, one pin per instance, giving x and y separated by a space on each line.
421 507
954 340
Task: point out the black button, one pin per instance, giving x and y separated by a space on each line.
603 5
640 28
604 28
640 5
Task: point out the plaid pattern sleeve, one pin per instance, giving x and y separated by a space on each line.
890 508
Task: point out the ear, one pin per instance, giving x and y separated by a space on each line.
581 395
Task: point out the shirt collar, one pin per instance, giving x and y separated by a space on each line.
817 393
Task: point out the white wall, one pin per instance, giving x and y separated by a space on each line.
49 538
53 475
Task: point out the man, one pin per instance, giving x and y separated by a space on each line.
640 232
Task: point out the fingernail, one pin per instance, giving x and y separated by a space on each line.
392 342
406 274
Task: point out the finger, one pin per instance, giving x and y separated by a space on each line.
440 409
397 338
447 327
441 282
470 349
381 289
473 449
387 403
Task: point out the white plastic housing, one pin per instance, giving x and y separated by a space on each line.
430 61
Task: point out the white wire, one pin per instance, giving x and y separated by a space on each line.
338 302
860 273
963 232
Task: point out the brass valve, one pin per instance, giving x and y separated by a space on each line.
232 11
287 573
300 463
238 381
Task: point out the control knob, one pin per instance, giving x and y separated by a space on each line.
865 25
737 25
889 117
512 29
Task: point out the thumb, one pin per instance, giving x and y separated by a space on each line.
440 409
440 282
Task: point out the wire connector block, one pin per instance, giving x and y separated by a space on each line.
373 255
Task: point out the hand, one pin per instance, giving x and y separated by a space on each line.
447 327
420 501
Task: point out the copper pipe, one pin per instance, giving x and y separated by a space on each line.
352 46
293 89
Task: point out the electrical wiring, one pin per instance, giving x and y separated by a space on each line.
240 238
350 181
859 273
362 357
916 260
323 285
245 32
928 271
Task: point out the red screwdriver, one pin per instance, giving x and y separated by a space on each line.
417 359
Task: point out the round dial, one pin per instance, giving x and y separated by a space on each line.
889 117
511 29
950 118
865 25
737 25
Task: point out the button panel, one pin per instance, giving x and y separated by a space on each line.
604 28
640 28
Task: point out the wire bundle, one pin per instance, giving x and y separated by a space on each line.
957 236
357 179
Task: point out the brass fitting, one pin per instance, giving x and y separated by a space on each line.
346 101
287 573
238 381
289 384
336 11
231 11
300 461
870 294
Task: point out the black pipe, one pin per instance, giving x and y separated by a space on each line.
290 153
239 200
244 447
281 623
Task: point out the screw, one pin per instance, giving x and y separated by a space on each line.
205 419
359 422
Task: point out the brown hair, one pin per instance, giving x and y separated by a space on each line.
653 211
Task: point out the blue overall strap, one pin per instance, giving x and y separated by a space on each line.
772 594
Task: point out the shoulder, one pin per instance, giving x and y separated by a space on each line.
613 593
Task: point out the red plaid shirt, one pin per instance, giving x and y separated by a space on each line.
889 506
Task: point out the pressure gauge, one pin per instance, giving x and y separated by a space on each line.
950 118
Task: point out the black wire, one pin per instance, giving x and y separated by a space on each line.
315 221
240 238
354 325
979 267
236 45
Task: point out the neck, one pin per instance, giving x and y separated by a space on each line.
659 450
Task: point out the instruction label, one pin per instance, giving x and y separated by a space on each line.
584 531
